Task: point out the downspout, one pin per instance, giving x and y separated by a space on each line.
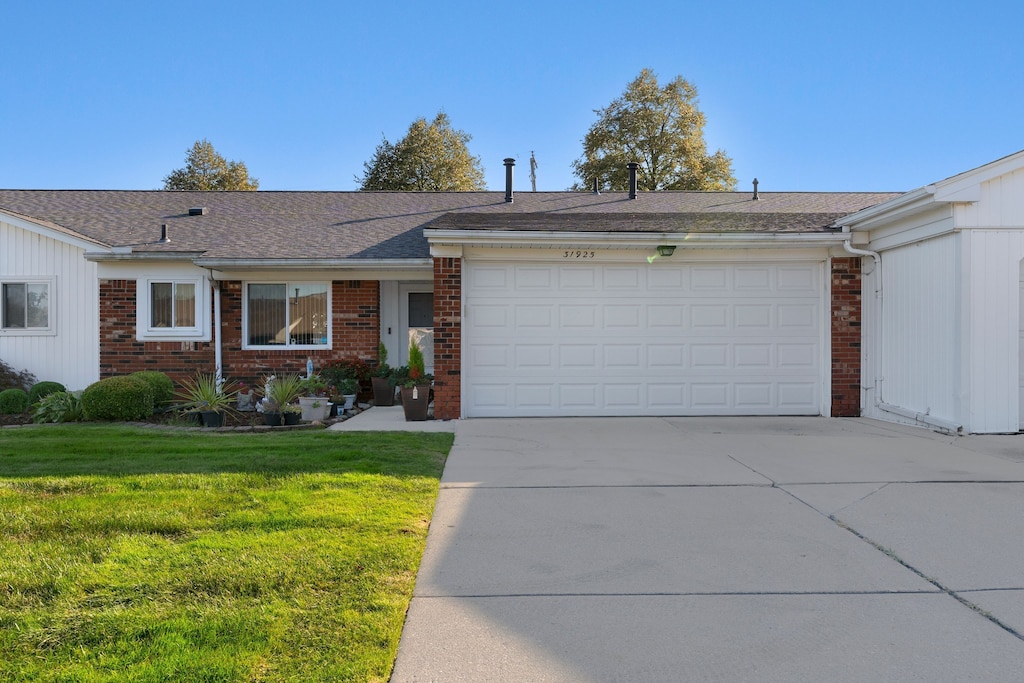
850 249
938 423
217 354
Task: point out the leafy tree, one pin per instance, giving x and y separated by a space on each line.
432 157
661 129
205 169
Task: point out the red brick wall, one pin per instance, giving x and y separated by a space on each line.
447 338
846 336
355 334
121 353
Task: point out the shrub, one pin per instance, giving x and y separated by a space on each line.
347 368
118 398
60 406
11 379
13 401
163 387
42 389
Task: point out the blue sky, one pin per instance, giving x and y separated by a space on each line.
804 96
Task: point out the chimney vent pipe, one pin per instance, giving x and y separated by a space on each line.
164 239
597 190
632 166
755 190
509 163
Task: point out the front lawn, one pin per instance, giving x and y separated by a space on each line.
132 554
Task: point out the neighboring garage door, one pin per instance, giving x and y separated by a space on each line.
662 339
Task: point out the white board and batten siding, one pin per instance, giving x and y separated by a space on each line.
69 353
666 338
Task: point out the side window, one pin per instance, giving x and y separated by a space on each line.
25 307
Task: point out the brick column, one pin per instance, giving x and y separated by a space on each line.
447 338
846 336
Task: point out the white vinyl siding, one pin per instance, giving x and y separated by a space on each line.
69 350
920 363
659 339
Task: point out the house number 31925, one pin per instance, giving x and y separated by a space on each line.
577 253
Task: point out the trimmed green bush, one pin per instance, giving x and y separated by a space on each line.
60 406
13 401
118 398
163 387
41 389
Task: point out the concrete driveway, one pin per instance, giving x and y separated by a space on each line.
729 549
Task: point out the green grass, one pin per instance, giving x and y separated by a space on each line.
132 554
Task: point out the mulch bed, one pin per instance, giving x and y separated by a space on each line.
233 421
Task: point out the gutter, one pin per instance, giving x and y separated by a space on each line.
307 264
499 238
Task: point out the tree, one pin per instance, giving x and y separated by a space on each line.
430 158
207 170
661 129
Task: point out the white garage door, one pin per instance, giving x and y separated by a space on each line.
660 339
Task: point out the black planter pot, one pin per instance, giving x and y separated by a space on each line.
291 418
383 392
415 408
211 418
272 419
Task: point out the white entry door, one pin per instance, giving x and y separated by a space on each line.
661 339
416 308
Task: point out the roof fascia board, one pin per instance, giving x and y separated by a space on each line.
226 264
968 183
498 238
50 230
320 274
137 256
904 205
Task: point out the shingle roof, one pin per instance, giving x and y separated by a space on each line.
388 225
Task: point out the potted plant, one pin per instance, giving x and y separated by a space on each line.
348 389
314 405
416 388
280 394
203 394
383 389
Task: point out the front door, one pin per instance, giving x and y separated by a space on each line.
416 304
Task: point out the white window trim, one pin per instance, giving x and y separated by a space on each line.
199 332
287 347
51 314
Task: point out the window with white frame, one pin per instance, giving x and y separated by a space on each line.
287 314
172 304
25 307
173 308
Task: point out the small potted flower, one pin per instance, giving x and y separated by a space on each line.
416 388
314 405
383 389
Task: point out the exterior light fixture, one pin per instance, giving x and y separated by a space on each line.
666 250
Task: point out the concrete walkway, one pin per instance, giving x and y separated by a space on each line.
721 549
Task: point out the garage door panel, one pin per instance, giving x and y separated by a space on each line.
728 339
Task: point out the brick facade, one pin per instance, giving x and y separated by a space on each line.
447 338
355 333
846 336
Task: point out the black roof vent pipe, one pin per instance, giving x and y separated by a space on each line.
509 163
164 239
597 190
755 190
632 166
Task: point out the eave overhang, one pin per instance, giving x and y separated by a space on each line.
438 239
